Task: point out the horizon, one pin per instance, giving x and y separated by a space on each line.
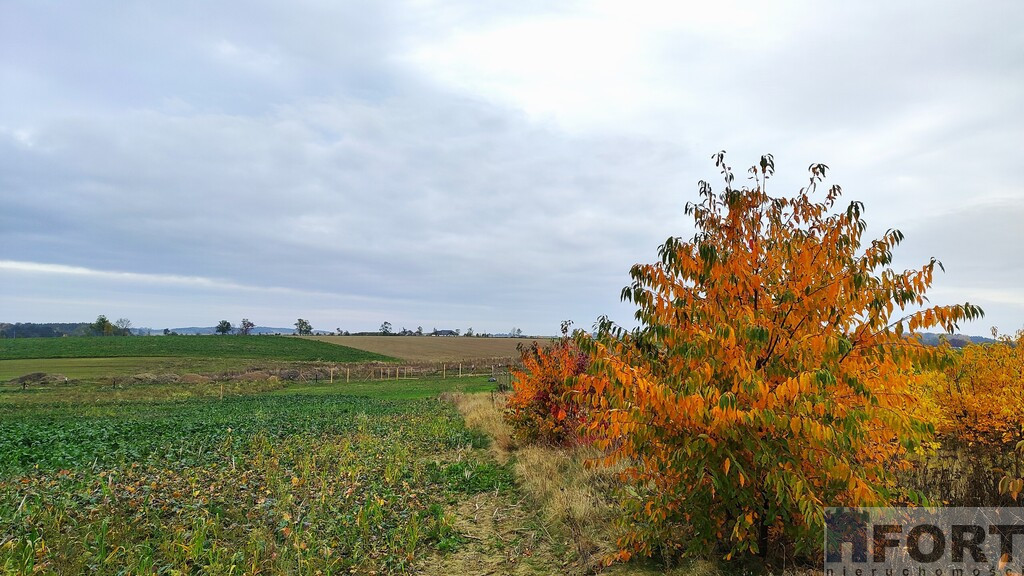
157 331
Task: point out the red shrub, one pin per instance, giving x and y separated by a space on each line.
543 406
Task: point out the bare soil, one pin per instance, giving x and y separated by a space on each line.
434 348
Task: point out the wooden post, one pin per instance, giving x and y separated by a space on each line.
348 373
444 371
460 369
332 374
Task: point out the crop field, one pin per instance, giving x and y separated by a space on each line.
432 348
157 458
261 347
315 479
95 368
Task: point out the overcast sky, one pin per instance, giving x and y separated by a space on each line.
475 164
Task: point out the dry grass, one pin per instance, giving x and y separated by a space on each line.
574 500
575 503
433 348
484 412
497 542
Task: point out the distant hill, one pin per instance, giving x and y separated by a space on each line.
955 340
268 330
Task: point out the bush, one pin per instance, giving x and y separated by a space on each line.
982 398
543 406
769 376
983 392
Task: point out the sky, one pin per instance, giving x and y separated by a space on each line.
493 165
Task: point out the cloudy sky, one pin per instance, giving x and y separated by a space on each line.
478 164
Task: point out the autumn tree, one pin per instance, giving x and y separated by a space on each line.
769 376
980 391
983 392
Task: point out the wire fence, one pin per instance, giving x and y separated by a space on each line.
497 368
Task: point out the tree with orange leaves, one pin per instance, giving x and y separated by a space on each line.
769 376
982 391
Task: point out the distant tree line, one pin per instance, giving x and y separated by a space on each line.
388 329
123 327
44 330
101 327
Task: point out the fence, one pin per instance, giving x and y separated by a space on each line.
497 368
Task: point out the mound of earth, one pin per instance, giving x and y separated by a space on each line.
39 379
147 378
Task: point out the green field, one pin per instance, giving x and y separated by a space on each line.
189 455
281 479
261 347
92 368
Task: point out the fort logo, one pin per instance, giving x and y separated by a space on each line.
924 541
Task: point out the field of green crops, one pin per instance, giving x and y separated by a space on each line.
326 479
262 347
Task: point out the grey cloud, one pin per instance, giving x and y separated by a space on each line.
294 145
433 199
980 246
